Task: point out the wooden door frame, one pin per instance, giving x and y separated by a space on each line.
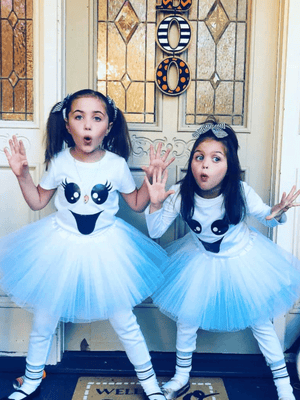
286 165
54 78
284 96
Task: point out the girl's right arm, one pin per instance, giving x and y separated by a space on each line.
35 196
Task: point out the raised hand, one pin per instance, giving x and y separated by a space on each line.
17 157
157 190
287 202
157 160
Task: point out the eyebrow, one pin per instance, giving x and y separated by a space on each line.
94 112
218 152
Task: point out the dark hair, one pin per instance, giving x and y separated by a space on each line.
117 140
232 190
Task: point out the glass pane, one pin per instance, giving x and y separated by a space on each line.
126 56
220 61
16 53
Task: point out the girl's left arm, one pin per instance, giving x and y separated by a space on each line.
139 198
287 202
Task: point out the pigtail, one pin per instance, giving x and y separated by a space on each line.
56 134
118 140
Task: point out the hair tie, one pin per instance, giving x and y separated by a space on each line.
62 105
113 105
217 129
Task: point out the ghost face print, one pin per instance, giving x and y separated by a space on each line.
217 230
73 194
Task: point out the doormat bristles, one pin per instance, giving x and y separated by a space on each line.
116 388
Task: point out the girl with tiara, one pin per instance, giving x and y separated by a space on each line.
82 263
223 275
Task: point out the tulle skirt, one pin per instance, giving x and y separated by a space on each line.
79 278
228 293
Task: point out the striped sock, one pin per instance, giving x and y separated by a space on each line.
32 379
282 380
148 381
182 371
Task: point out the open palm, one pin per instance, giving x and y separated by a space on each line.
157 190
157 160
286 202
17 157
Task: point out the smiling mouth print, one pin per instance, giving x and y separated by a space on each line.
86 223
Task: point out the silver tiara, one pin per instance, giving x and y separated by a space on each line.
113 104
217 129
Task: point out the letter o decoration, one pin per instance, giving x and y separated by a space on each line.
162 34
184 76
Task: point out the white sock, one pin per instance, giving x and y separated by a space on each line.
182 371
284 389
148 381
282 381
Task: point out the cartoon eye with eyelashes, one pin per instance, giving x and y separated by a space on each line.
72 191
100 193
219 227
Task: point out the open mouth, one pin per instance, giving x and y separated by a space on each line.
204 177
87 139
86 223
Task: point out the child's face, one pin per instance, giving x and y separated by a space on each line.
88 124
209 167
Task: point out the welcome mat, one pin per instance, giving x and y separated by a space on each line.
116 388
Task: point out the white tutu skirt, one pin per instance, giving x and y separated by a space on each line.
228 293
79 278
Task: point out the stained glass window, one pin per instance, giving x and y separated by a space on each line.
16 60
218 61
126 56
217 56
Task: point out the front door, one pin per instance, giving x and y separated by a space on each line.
232 55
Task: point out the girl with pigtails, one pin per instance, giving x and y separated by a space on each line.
82 263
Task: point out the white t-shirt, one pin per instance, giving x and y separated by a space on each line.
87 197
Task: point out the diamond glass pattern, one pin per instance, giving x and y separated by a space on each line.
217 21
127 21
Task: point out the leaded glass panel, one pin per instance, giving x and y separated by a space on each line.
16 60
218 61
128 55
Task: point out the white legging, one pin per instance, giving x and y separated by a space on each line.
124 324
265 335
